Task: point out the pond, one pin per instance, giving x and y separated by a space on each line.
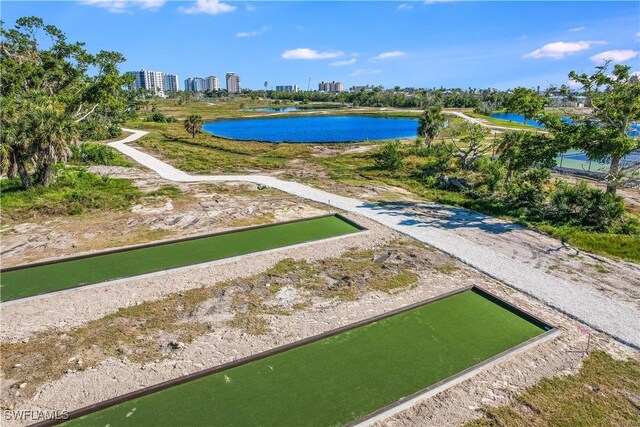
634 128
323 129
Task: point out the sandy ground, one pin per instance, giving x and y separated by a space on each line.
614 279
203 208
116 376
212 207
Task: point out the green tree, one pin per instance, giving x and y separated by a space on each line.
467 143
39 75
193 124
51 134
519 151
431 122
602 130
390 156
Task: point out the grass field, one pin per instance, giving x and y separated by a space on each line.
73 273
340 378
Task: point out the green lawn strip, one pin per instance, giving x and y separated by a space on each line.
337 379
100 268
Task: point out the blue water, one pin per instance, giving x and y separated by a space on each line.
512 117
634 128
315 129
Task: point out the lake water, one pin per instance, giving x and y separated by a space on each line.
315 129
512 117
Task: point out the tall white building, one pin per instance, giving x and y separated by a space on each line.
213 84
195 84
288 88
233 83
155 81
170 83
332 87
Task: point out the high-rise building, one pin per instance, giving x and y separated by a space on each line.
233 83
154 81
170 83
213 83
195 84
288 88
331 87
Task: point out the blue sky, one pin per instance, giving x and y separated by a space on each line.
405 43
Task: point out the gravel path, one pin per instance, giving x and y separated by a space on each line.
617 319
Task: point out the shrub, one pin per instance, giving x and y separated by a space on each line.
527 191
583 205
492 171
158 117
390 156
94 153
437 159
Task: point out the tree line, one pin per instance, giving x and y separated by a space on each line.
50 101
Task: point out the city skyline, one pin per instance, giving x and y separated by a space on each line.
410 44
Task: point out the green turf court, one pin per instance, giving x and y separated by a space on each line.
37 280
340 378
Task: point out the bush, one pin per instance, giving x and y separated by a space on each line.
94 153
492 172
158 117
73 192
93 130
583 205
437 159
390 156
527 192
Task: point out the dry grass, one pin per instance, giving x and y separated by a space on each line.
606 392
140 333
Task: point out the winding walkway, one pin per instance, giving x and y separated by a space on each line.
614 318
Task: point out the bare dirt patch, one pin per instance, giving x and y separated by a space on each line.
196 209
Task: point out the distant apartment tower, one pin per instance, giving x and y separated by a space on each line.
213 83
233 83
331 87
152 81
170 83
195 84
288 88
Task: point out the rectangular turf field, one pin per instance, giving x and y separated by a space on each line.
40 279
337 379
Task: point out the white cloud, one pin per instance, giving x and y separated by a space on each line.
576 29
638 36
255 33
365 72
558 50
614 56
306 53
342 63
249 7
122 6
439 1
210 7
405 6
389 55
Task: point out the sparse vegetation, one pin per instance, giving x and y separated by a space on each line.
603 393
73 192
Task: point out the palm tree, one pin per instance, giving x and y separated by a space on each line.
50 134
193 124
430 123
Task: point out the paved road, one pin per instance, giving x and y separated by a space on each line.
614 318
